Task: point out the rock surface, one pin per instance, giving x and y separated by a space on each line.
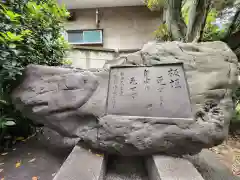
72 101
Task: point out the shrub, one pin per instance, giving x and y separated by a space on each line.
30 34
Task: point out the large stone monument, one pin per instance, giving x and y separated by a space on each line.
143 109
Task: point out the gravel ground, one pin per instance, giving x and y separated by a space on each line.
229 154
126 168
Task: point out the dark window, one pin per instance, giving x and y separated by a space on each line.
85 36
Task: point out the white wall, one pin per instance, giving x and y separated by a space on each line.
123 27
85 58
89 58
82 4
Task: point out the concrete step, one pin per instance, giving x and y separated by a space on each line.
161 167
82 164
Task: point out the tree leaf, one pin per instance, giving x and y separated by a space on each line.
32 160
3 102
20 138
18 164
12 46
12 16
10 123
99 155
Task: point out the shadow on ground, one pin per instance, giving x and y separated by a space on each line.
40 157
126 168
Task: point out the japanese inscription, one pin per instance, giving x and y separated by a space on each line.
174 75
155 91
121 83
133 87
146 79
115 89
161 83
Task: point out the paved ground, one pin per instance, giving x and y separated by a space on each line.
35 159
40 157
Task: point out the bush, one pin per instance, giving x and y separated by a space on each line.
30 34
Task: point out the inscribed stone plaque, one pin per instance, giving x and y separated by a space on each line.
149 91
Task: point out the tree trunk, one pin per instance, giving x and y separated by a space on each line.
175 23
231 28
199 36
197 19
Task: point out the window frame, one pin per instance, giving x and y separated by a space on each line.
82 31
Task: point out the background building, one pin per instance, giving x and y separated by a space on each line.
102 29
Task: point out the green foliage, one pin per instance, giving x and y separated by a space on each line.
67 62
217 4
4 120
211 31
237 112
30 34
236 100
221 4
155 4
162 34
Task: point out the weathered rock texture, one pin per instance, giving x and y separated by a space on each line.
72 101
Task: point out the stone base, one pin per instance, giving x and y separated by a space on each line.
165 168
82 164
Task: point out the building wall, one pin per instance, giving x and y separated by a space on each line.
82 4
123 27
89 58
92 58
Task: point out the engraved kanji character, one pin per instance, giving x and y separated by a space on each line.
146 76
133 81
173 72
175 83
134 94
